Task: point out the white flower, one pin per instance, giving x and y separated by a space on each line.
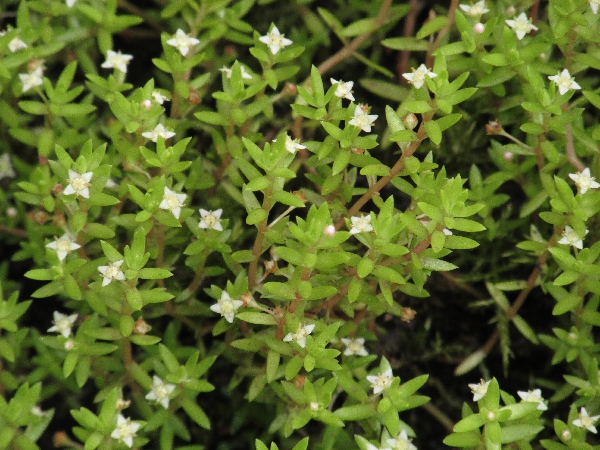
417 77
182 41
300 335
172 201
159 97
125 431
112 272
159 130
32 79
228 72
292 145
475 10
275 40
226 306
570 237
585 421
63 246
362 119
70 3
564 81
343 90
6 168
583 180
78 184
355 347
160 391
16 44
594 5
381 381
479 390
361 224
401 442
534 396
521 25
116 60
211 219
63 323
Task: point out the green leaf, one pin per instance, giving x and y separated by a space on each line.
154 274
196 413
405 43
433 131
416 106
365 267
257 318
432 26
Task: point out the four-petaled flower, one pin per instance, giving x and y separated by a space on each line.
479 390
63 246
534 396
300 335
172 201
182 41
417 77
229 71
355 346
570 237
594 4
16 44
160 392
79 184
226 306
63 323
275 40
475 10
401 442
586 421
584 180
293 145
125 431
381 381
211 219
159 97
343 89
362 119
159 130
564 81
361 224
116 60
112 272
32 79
521 25
6 168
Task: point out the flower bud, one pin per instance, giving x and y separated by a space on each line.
510 11
493 127
410 121
122 404
329 231
508 156
407 314
490 416
146 104
141 326
565 435
42 160
314 406
290 89
69 345
11 212
193 97
478 28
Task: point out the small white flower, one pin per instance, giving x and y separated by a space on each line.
594 4
112 272
116 60
292 145
161 391
226 306
355 346
32 79
110 184
78 184
159 130
362 119
564 81
521 25
16 44
6 168
125 431
182 42
343 89
417 77
570 237
275 40
585 421
159 97
300 335
381 381
361 224
401 442
229 71
70 3
63 246
211 219
475 10
479 390
172 201
534 396
63 323
583 180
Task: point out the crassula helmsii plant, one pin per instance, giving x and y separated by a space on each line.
233 222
